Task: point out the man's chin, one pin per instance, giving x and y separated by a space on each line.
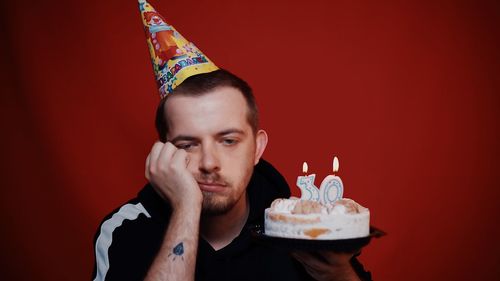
214 205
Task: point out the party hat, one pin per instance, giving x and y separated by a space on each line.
173 57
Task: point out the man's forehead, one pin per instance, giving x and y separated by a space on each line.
219 109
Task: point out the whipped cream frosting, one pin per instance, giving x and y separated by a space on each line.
304 219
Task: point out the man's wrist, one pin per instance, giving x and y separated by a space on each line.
186 208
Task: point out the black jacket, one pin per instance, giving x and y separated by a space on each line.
129 238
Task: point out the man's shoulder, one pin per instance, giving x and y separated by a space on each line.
133 210
129 236
146 207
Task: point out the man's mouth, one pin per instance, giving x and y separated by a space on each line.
211 186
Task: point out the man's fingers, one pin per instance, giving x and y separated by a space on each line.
302 258
166 154
146 169
180 158
160 155
307 259
335 258
311 260
152 158
155 153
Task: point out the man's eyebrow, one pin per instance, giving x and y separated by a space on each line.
219 134
231 131
182 138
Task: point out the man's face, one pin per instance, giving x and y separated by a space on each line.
222 148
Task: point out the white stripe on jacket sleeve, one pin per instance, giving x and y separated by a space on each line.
105 238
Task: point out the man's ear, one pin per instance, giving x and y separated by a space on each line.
261 143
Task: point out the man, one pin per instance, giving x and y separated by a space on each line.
207 185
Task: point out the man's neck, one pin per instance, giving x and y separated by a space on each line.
220 230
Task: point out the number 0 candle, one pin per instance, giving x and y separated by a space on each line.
331 188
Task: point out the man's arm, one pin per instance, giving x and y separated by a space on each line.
176 259
166 170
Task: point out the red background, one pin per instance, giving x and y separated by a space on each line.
406 93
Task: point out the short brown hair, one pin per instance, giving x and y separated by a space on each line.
201 84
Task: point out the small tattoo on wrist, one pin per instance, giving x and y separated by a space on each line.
178 251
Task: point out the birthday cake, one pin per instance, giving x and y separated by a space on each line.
320 213
309 219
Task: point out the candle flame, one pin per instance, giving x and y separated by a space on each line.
305 168
335 164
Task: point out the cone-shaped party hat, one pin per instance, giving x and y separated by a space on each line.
173 57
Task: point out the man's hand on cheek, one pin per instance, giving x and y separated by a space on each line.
166 169
327 265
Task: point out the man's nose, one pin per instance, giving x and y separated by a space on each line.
209 161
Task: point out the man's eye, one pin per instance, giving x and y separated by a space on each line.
185 146
229 141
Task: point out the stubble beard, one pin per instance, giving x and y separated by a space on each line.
219 204
215 204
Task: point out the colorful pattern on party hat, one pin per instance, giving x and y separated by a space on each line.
174 58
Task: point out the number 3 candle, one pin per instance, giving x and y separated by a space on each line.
306 184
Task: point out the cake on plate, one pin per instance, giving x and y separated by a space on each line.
310 219
320 213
